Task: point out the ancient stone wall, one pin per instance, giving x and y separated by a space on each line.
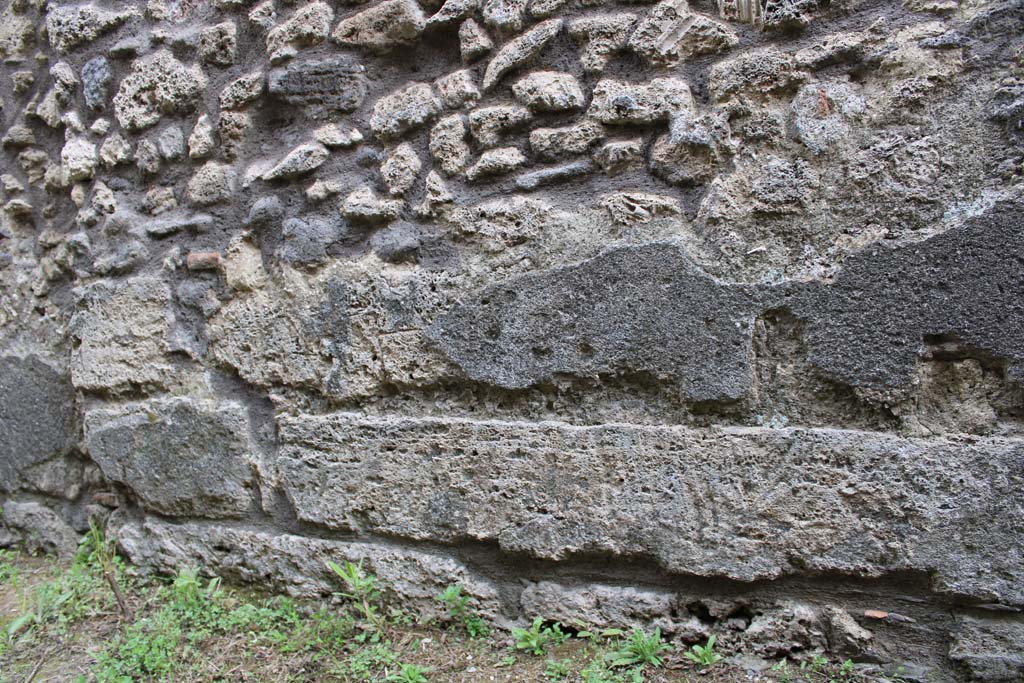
706 315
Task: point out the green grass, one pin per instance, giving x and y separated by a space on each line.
97 621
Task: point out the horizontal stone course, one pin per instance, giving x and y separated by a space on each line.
738 503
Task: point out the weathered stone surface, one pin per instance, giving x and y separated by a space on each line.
452 11
68 26
551 143
617 102
96 78
242 91
121 329
213 182
299 161
506 16
273 335
41 528
458 89
298 565
701 337
309 26
549 91
157 84
38 416
989 649
489 124
218 44
337 83
739 503
520 51
601 37
364 206
699 334
798 243
672 32
473 41
496 162
401 169
306 239
404 110
383 26
555 174
79 158
179 456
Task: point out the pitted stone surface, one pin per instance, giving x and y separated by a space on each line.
298 565
745 504
695 316
337 83
38 416
651 310
122 331
179 456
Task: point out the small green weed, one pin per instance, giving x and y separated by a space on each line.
598 671
704 655
555 670
539 637
410 673
8 572
640 649
368 662
458 609
362 589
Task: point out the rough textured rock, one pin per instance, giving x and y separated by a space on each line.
989 650
700 316
673 32
403 111
157 85
297 564
337 83
69 26
121 330
41 528
38 416
181 457
804 499
383 26
520 51
691 330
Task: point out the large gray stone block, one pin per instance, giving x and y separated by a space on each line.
651 311
740 503
179 456
298 564
38 416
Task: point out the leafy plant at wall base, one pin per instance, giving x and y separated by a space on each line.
536 639
556 670
641 649
362 589
458 609
704 655
410 673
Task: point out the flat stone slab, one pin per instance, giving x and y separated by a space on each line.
180 456
740 503
38 416
338 83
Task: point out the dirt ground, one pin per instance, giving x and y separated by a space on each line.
61 621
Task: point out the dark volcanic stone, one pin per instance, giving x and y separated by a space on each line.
336 83
37 416
651 310
645 309
179 456
869 327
